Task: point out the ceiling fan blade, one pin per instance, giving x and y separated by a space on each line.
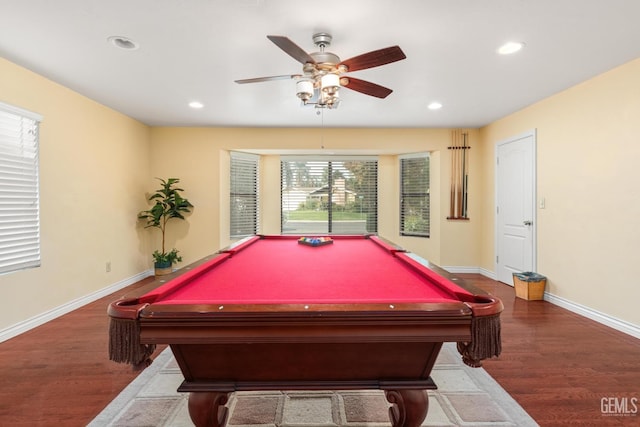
268 79
374 58
365 87
292 49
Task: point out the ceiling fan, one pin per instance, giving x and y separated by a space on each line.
323 73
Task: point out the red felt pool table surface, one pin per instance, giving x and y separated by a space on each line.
278 270
269 313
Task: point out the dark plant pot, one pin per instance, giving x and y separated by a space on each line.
162 268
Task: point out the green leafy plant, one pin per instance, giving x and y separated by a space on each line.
168 204
166 259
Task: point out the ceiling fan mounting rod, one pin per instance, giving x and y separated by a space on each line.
325 62
322 40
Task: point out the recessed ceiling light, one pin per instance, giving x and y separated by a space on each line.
434 106
510 47
123 43
196 104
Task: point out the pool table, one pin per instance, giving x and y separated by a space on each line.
277 313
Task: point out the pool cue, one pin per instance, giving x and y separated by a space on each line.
464 175
452 185
459 176
455 174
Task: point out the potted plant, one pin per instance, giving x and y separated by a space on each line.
168 204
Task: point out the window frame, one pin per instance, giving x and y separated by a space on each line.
371 223
404 195
20 245
251 163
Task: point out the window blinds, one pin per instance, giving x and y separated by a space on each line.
19 190
335 195
244 194
414 195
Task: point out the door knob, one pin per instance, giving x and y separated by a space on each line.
528 222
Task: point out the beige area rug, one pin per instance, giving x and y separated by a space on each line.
465 397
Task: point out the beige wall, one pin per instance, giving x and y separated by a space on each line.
94 164
460 245
587 155
199 157
97 165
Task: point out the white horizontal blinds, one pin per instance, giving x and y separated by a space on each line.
244 194
337 195
361 194
414 195
19 194
304 196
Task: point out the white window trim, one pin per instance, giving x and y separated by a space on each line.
20 222
21 112
419 155
251 158
336 158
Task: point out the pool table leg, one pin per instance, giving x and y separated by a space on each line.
207 409
408 407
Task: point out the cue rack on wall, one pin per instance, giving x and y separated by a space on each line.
459 174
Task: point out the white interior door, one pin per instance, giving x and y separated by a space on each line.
515 210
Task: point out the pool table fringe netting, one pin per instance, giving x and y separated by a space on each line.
125 346
485 341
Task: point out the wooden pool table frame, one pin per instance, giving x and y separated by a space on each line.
392 347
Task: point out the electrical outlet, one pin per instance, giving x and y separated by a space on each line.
108 266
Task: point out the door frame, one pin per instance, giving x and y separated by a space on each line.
534 230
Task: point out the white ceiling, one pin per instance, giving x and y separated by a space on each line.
195 49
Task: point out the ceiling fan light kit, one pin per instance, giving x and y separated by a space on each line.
304 89
322 71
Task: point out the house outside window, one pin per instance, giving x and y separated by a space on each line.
331 195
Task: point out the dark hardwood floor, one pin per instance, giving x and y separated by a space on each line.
559 366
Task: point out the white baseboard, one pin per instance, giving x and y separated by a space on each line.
605 319
477 270
40 319
458 269
488 273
